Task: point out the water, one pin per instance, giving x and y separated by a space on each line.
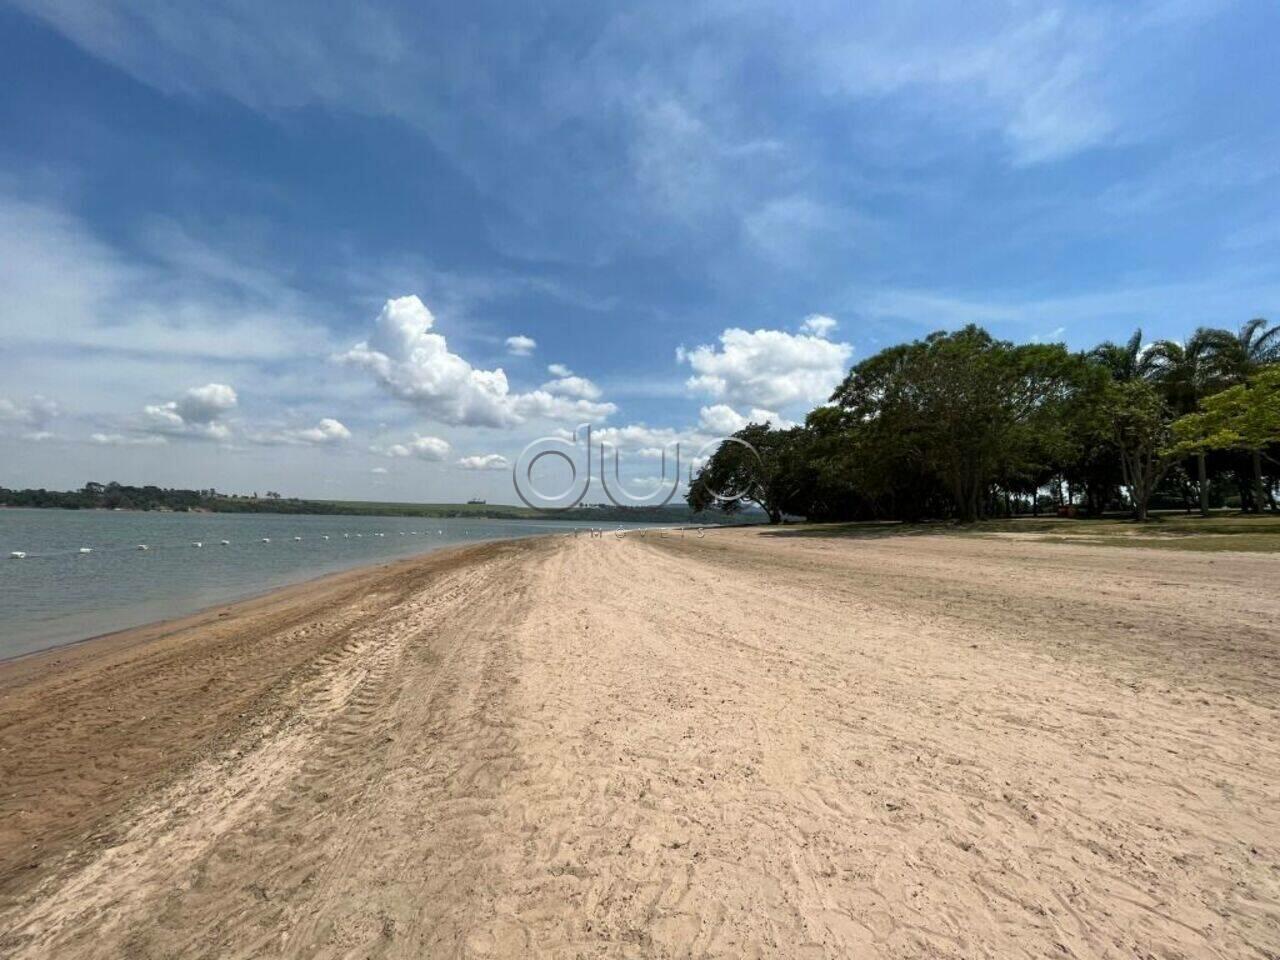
58 595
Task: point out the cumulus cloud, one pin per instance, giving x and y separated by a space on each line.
415 364
559 370
573 386
722 419
488 461
197 413
818 325
126 440
325 433
432 449
767 368
520 345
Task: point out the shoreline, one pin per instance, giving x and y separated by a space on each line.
305 581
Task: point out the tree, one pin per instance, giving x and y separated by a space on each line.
1127 361
759 465
1243 417
1182 372
1140 423
959 409
1234 357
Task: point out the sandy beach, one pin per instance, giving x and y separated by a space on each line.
756 743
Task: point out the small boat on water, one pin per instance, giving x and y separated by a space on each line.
297 538
225 543
86 549
324 536
196 543
143 546
266 539
17 555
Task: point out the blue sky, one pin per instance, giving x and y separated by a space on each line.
213 219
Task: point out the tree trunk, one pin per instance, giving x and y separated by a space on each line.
1202 475
1259 495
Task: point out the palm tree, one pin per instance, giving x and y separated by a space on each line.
1128 361
1234 357
1181 371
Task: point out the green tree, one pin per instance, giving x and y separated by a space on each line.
758 464
1183 372
959 409
1140 423
1232 358
1243 417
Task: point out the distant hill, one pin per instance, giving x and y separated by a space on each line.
116 496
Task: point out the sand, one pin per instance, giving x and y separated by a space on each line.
758 743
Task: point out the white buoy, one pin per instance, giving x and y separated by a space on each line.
225 543
86 550
196 543
17 555
143 546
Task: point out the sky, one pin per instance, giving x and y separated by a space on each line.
376 253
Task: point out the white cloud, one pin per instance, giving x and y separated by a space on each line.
488 461
571 386
818 325
327 432
520 345
722 419
767 368
33 414
62 287
559 370
415 364
197 413
432 449
380 471
124 440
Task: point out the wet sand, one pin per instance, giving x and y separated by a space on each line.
757 743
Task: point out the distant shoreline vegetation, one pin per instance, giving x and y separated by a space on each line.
116 496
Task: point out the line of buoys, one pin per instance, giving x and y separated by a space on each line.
142 547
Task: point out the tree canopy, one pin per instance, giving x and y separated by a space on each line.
963 425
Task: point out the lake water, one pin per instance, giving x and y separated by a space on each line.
58 595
